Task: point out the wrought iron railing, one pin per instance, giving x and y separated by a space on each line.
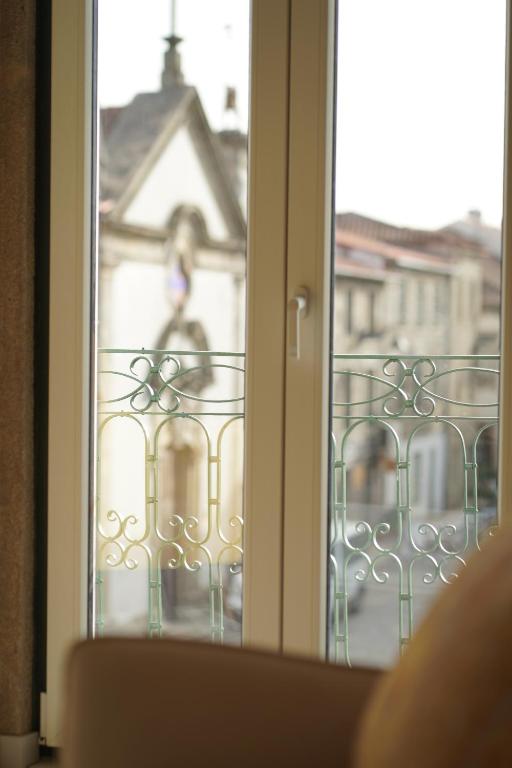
413 476
413 480
175 413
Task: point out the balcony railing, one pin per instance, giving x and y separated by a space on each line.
413 476
169 490
413 485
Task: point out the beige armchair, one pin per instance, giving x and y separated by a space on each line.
164 703
448 703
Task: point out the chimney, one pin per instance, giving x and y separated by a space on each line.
475 217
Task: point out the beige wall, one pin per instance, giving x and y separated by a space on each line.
17 71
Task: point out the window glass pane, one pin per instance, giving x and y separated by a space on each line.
418 209
172 82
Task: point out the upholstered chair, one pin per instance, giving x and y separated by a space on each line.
446 704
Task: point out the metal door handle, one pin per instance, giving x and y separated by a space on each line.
297 309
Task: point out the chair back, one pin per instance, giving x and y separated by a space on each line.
160 703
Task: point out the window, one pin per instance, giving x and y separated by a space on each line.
402 303
421 301
349 312
372 299
441 300
287 357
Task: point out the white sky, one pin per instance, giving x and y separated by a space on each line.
420 93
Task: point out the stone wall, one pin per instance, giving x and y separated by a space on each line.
17 174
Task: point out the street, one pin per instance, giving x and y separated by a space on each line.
374 627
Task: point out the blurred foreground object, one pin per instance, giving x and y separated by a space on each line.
449 700
447 703
157 703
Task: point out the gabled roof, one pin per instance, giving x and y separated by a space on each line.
134 138
129 135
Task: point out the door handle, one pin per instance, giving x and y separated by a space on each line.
297 309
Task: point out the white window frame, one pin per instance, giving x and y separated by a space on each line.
307 378
285 490
266 324
70 336
505 408
69 357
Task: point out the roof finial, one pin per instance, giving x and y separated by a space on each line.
172 73
174 3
